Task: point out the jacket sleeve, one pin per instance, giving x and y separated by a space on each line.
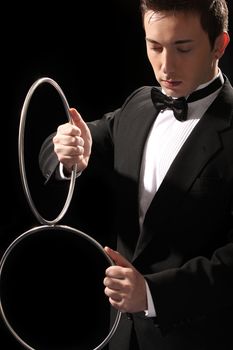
48 161
198 289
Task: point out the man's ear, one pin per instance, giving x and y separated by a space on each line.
220 44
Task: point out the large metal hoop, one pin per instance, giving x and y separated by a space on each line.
31 91
31 232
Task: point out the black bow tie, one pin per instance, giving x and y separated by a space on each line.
180 105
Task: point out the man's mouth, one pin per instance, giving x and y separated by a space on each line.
169 84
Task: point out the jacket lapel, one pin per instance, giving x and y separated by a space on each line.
132 147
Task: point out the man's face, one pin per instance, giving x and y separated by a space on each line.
179 51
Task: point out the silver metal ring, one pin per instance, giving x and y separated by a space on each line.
9 253
32 89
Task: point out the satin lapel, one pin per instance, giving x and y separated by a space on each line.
203 143
130 136
133 132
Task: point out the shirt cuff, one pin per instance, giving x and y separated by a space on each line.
150 312
62 173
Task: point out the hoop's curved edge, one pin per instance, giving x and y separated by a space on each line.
49 227
23 175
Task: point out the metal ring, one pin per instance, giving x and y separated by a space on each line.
10 250
32 89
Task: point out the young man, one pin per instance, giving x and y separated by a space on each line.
169 158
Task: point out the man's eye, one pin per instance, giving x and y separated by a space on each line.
157 49
183 50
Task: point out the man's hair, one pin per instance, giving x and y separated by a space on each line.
213 13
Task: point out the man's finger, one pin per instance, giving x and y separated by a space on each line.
117 257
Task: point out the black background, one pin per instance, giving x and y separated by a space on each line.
96 53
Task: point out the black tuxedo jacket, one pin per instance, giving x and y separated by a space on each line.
185 249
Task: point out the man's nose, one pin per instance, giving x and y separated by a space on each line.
168 62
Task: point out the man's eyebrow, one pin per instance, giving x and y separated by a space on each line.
151 41
183 41
177 42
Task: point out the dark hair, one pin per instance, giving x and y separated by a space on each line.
213 13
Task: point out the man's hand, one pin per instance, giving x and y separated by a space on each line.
72 143
124 285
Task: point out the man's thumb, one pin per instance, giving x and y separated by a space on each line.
117 257
75 117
